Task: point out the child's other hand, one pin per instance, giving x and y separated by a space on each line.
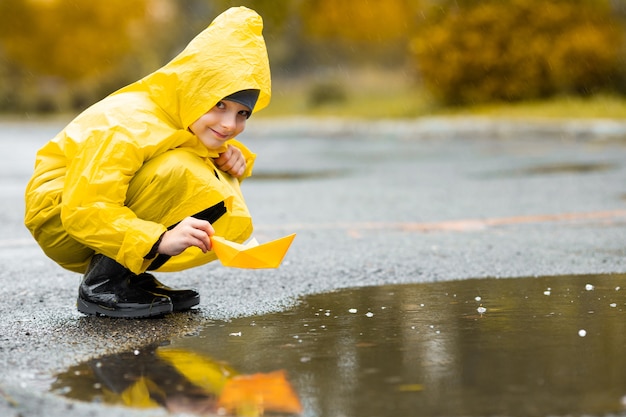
231 161
189 232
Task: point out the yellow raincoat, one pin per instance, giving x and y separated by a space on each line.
128 167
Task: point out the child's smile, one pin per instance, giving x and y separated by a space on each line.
224 121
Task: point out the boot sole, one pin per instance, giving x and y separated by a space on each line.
92 309
187 304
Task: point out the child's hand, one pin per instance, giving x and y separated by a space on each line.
189 232
231 161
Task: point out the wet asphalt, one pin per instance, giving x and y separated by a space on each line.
371 202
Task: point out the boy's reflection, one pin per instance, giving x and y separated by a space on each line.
178 380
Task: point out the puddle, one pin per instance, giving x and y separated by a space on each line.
483 347
557 168
295 175
568 168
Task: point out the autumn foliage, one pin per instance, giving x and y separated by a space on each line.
77 39
64 55
481 51
58 54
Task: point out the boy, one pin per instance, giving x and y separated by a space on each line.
143 178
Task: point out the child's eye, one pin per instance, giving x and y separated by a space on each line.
245 113
220 105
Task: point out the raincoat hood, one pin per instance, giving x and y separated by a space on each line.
227 57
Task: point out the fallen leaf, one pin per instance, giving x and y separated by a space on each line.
410 387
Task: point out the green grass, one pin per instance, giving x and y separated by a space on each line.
404 101
603 107
373 106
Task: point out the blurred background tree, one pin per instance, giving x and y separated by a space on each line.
62 55
470 51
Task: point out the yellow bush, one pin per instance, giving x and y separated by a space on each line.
510 50
77 39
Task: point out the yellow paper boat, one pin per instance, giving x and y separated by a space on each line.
251 255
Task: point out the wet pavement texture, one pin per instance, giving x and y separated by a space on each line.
434 201
518 347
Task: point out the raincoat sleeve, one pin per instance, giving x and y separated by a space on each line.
93 207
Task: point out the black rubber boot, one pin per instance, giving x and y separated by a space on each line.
181 299
108 289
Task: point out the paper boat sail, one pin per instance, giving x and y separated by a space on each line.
251 255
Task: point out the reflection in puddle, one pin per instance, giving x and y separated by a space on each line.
516 347
179 380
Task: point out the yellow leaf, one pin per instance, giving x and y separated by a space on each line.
410 387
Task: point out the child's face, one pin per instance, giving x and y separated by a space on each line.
224 121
